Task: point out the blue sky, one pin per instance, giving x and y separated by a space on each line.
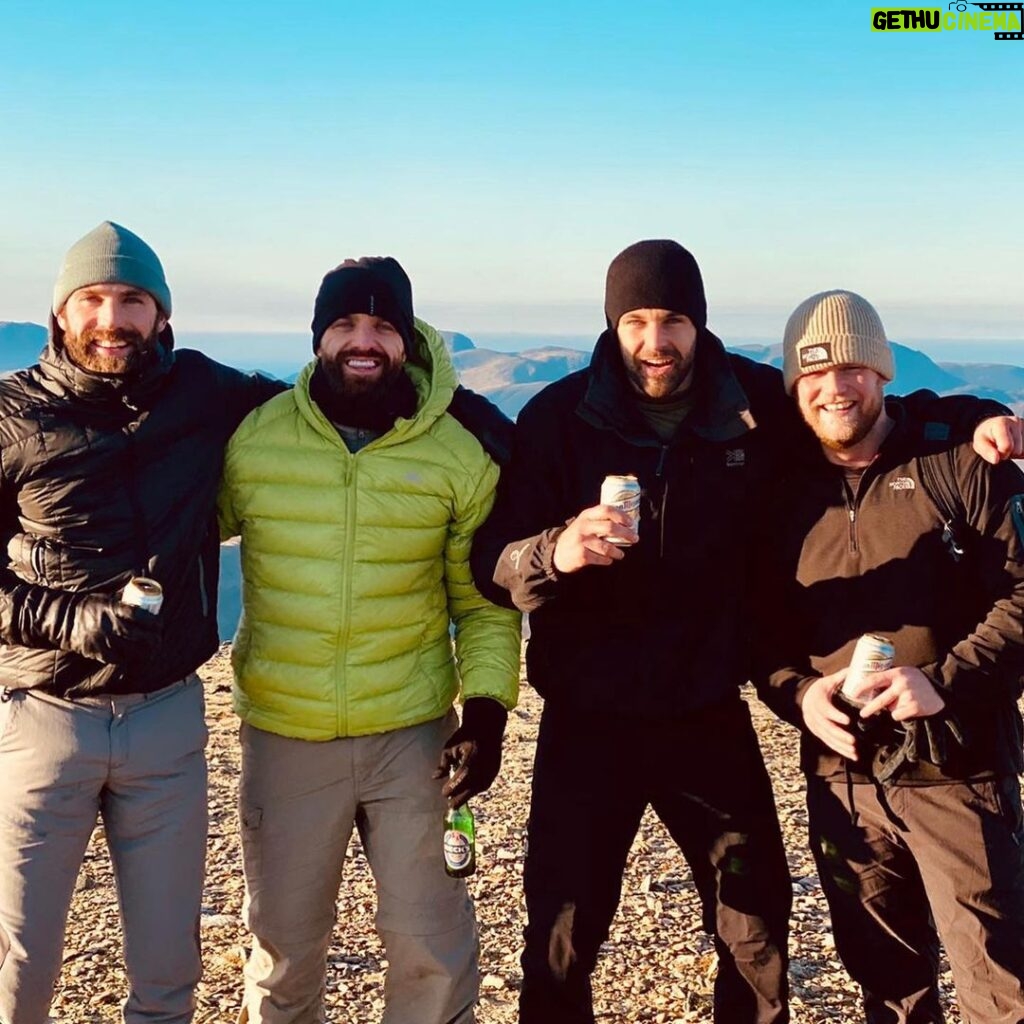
505 153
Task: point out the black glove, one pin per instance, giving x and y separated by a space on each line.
113 632
934 739
96 626
473 750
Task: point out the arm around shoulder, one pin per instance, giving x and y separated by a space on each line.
513 552
487 637
988 663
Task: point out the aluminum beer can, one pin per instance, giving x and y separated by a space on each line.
144 593
623 493
872 654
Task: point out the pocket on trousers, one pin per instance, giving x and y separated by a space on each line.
194 693
10 702
250 818
1007 794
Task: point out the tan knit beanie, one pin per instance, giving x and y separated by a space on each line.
836 328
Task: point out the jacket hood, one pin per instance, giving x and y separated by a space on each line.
721 408
59 373
431 370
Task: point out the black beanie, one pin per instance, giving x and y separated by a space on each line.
375 285
655 274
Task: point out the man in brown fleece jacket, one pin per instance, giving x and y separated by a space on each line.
914 803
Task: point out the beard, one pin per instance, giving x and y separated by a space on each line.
358 402
659 387
83 351
841 434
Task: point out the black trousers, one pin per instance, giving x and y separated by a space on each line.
902 866
593 778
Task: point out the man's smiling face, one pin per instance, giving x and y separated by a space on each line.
658 347
360 351
841 405
110 329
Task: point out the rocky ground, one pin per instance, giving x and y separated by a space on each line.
657 965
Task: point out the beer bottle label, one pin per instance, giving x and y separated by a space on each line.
457 849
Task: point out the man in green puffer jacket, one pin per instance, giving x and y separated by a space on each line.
356 496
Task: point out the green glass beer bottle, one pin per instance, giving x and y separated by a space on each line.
459 842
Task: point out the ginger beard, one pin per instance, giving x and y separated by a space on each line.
843 417
114 352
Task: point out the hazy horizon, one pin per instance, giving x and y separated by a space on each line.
284 351
269 347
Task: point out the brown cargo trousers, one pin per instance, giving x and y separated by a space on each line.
136 761
903 866
299 802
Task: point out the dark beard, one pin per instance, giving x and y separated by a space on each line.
143 350
374 406
666 390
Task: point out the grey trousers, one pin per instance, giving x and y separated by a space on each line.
299 802
138 762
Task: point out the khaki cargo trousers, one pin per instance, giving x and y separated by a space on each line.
137 762
299 802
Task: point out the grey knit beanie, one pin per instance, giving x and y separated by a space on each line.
111 254
836 328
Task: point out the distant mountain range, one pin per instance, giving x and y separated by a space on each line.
510 379
20 344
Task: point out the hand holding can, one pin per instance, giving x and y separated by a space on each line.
872 654
622 493
145 593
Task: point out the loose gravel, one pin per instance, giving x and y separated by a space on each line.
657 965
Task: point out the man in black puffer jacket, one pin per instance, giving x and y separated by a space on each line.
110 457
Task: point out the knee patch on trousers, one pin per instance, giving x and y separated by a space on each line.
561 953
431 917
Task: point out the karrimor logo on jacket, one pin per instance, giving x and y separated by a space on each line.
1004 20
516 555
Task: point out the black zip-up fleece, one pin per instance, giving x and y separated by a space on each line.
838 565
103 478
663 630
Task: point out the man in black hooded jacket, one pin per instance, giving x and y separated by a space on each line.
637 641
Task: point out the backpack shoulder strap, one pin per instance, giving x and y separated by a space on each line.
937 471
